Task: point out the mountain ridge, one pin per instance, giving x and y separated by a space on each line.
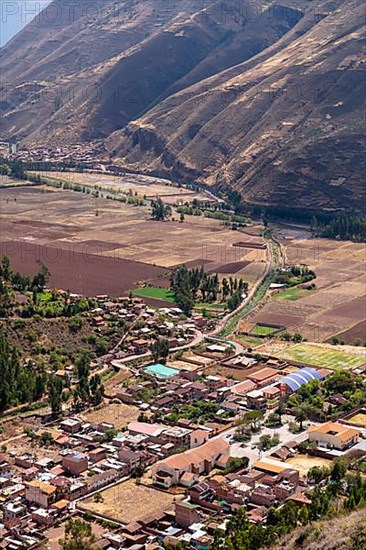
268 102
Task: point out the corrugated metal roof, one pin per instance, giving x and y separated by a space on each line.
296 379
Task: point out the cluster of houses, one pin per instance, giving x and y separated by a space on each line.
146 325
37 490
78 153
72 459
267 381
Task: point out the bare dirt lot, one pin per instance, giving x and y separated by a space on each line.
303 463
128 502
354 334
94 245
337 304
115 413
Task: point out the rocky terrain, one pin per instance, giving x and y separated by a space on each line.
342 533
264 98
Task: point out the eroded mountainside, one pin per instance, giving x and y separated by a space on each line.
342 533
265 98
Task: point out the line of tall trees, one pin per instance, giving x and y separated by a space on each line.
160 210
20 383
192 285
344 226
89 389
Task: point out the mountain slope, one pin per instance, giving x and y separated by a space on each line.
266 99
283 127
342 533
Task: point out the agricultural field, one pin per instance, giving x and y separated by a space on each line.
96 246
135 184
249 340
5 181
291 294
356 334
324 356
118 414
128 502
337 306
155 292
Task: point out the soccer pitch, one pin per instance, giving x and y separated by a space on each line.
322 356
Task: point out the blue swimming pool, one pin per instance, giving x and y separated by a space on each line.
161 371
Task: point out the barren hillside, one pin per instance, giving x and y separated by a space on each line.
264 98
343 533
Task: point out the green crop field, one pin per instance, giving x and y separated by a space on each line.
290 294
263 330
250 340
323 357
155 292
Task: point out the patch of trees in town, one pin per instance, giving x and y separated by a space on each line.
78 536
315 400
20 383
192 285
198 411
26 383
160 350
88 390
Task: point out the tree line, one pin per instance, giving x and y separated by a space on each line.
20 383
332 225
192 285
344 226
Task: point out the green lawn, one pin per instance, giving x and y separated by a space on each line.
290 294
155 292
45 296
322 356
263 330
214 305
250 341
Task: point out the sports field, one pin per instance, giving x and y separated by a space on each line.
263 330
359 418
323 356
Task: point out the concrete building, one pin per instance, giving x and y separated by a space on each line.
70 425
40 493
186 513
184 468
75 464
334 435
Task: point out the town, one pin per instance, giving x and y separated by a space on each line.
166 436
